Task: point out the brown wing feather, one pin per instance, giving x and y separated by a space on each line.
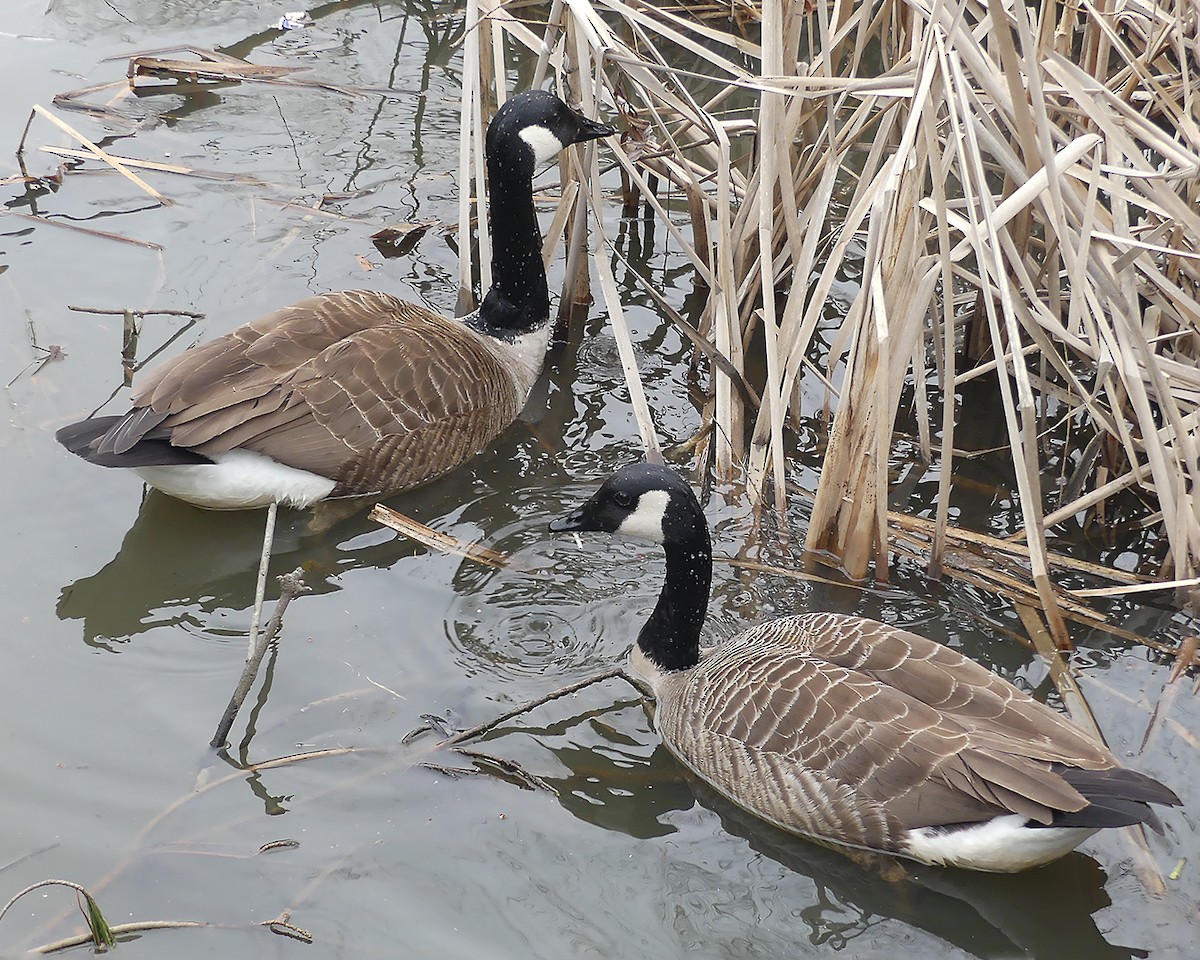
372 391
851 729
998 715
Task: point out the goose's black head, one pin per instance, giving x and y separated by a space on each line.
645 500
533 127
653 502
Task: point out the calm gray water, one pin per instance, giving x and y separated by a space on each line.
125 616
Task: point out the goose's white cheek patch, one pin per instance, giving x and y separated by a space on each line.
646 521
546 146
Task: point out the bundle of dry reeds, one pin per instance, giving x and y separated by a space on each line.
1014 187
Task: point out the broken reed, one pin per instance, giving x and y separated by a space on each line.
1016 188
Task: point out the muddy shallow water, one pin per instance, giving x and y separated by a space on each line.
125 615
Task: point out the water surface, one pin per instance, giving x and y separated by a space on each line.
125 615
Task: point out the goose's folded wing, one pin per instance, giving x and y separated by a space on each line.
269 348
999 716
382 409
826 750
245 365
406 406
372 391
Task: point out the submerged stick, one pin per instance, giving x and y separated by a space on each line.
481 728
292 586
136 926
260 587
620 330
99 933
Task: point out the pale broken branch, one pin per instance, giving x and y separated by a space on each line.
436 540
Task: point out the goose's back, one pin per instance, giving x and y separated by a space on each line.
377 393
849 729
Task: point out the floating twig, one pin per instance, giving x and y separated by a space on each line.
137 926
237 72
281 926
102 154
110 312
437 540
285 844
90 231
207 70
159 167
510 767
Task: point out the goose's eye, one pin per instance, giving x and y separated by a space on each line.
622 500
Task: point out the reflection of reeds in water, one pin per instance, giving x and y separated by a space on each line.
1016 189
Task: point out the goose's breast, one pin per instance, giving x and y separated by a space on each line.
522 357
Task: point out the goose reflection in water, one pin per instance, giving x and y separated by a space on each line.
179 565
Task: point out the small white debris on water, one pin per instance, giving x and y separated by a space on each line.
295 20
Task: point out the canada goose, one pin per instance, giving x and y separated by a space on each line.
355 392
853 731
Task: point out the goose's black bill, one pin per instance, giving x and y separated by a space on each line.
590 129
576 520
597 514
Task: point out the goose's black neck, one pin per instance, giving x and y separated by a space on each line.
519 300
671 637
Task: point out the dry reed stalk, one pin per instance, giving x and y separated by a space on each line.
468 158
1134 837
762 449
435 539
971 166
103 155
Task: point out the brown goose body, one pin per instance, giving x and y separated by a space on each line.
328 386
356 392
835 726
852 731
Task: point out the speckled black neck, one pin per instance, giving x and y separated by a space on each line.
671 637
519 300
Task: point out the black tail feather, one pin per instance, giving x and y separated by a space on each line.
83 439
1116 798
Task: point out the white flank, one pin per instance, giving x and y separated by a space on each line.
646 520
546 146
1001 845
239 480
